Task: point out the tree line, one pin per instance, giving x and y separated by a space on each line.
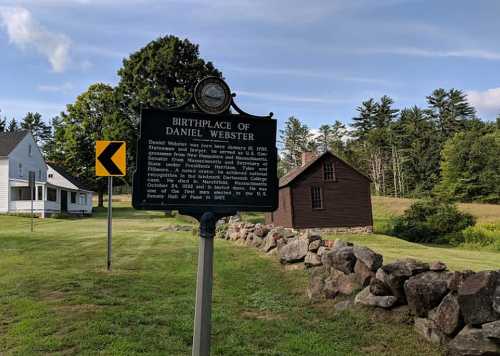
443 149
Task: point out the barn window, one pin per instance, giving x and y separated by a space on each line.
329 172
316 198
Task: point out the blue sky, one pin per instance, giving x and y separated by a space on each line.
316 60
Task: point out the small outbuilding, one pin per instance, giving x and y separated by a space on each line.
324 192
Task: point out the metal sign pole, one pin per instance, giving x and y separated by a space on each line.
32 191
203 308
110 219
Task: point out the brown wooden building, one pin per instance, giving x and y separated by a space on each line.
324 192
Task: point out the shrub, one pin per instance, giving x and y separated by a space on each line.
431 220
484 236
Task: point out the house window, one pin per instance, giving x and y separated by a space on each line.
51 194
29 150
329 172
51 175
40 192
83 199
316 198
20 193
20 169
73 197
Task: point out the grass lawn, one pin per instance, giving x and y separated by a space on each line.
56 297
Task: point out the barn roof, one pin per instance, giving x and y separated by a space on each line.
9 141
296 172
70 178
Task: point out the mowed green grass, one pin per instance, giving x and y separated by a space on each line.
392 248
57 298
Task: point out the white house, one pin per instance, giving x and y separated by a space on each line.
55 190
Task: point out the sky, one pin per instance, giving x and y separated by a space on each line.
316 60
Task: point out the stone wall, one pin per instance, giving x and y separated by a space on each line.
458 309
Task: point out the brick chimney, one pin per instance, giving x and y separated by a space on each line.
307 157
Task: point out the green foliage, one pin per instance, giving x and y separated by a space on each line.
95 115
471 167
295 138
41 131
12 126
162 73
478 237
431 220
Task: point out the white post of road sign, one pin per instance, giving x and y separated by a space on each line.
110 161
31 184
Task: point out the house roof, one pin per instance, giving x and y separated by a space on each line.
9 141
70 178
296 172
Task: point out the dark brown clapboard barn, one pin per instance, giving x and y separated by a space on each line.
324 192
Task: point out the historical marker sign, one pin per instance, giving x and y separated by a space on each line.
194 160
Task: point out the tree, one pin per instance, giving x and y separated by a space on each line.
417 140
330 137
162 74
450 110
470 167
365 120
94 116
12 126
41 132
2 123
296 139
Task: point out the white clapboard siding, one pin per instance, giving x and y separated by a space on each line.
35 162
4 185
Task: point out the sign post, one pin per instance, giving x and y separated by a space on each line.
207 163
110 161
31 183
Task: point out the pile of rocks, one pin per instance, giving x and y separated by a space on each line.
458 309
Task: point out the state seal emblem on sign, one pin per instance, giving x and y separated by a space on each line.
212 95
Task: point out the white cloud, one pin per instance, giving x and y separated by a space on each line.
421 52
25 32
486 102
292 98
62 88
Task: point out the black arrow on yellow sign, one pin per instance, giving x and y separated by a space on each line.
105 158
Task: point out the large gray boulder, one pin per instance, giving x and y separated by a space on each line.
317 283
314 245
370 258
363 273
395 274
471 341
492 330
294 251
447 316
379 288
342 259
456 279
312 259
339 282
261 230
428 329
425 291
475 297
496 296
340 243
366 298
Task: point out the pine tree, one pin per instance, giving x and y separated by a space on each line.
295 138
12 126
41 132
365 120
